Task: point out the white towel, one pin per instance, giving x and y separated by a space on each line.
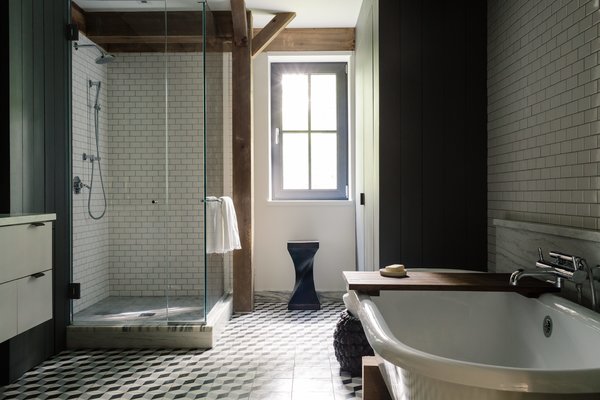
231 234
214 226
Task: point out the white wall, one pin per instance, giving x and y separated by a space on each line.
90 237
543 125
331 223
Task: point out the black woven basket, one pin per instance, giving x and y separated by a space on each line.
350 343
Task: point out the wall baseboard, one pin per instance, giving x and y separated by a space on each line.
283 296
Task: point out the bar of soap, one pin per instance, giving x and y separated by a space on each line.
393 271
395 268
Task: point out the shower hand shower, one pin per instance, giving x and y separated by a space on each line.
98 85
95 158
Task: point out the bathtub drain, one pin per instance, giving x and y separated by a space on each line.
547 326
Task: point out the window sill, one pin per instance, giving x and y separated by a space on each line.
310 203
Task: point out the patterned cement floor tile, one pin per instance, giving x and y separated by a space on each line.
268 354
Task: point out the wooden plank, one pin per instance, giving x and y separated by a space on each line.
115 39
240 23
374 387
371 281
267 34
152 23
123 32
156 44
78 17
313 39
243 275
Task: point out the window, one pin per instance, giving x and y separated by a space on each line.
309 124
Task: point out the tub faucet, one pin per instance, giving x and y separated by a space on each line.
562 266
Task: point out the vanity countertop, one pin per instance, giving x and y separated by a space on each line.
371 282
17 219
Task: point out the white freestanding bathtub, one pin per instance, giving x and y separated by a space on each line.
481 345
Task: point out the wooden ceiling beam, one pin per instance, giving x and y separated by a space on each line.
313 39
267 34
240 23
78 17
113 39
135 32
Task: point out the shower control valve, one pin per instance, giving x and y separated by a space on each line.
78 185
90 157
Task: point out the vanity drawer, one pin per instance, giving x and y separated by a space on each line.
25 249
34 300
8 310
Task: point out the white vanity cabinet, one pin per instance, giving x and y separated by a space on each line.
25 272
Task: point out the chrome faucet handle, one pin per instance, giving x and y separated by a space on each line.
579 276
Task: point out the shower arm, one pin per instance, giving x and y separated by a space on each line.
77 46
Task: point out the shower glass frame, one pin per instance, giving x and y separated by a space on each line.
166 233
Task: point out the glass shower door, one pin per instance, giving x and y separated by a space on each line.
186 166
139 78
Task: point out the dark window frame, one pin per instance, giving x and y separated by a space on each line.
342 190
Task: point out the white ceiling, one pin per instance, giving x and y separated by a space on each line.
309 13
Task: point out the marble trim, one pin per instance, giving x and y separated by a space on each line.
153 335
517 243
177 336
557 230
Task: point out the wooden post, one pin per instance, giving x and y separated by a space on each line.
372 382
243 272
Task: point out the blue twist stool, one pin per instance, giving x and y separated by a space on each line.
304 296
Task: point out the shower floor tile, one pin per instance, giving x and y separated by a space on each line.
271 353
141 310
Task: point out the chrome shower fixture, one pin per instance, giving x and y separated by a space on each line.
104 57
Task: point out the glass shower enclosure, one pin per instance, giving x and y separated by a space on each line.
147 145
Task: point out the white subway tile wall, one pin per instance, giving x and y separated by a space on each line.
153 244
543 126
90 237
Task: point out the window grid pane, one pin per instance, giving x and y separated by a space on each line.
294 89
295 161
323 102
323 161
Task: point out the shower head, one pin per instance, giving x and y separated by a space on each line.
104 58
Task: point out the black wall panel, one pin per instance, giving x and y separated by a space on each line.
4 121
35 153
433 133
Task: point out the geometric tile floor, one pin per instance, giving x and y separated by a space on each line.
271 353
